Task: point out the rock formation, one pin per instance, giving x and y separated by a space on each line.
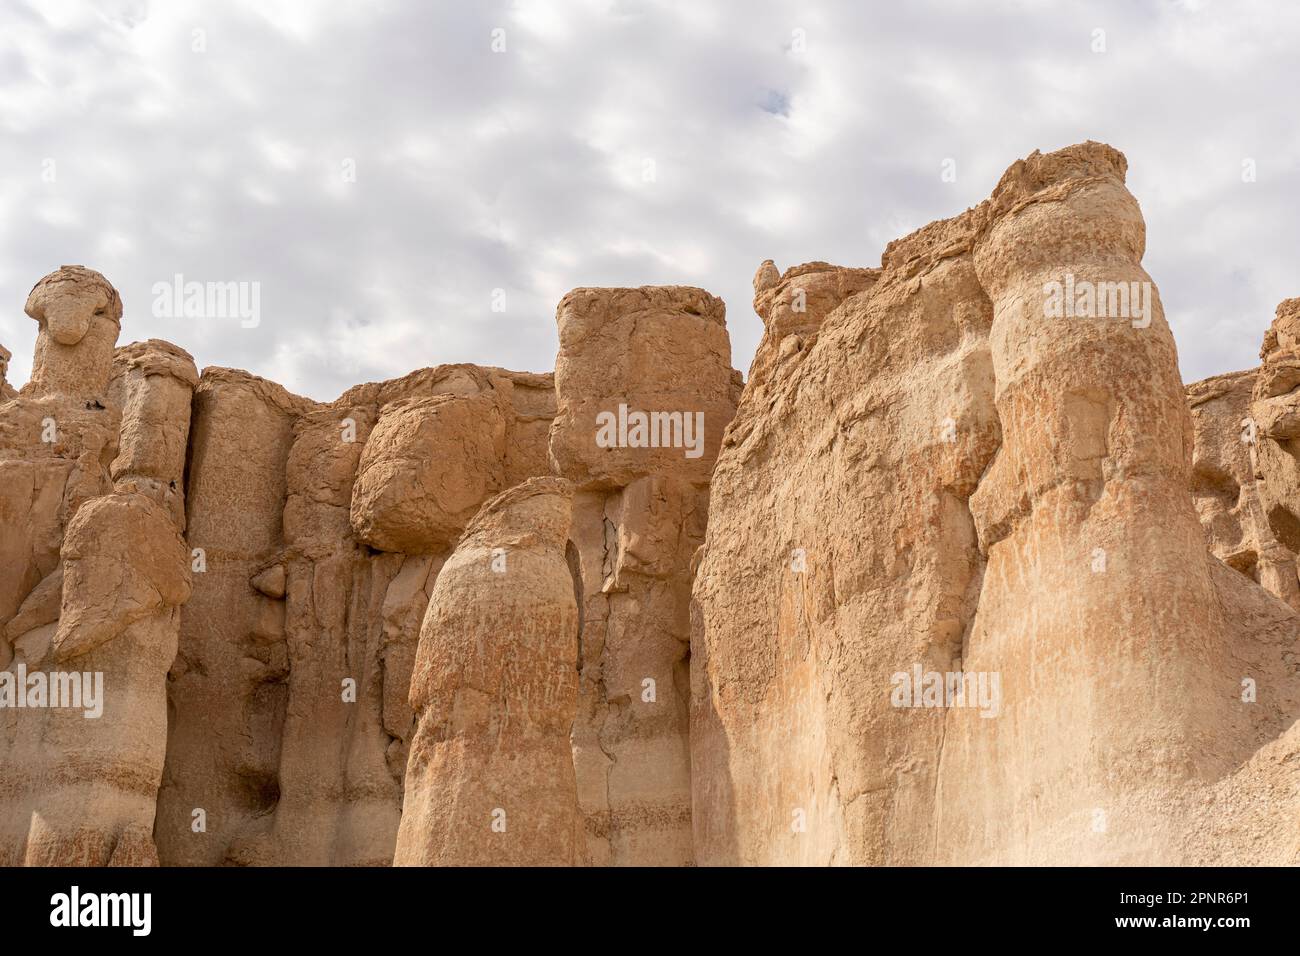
1227 489
323 528
952 554
961 575
490 781
1273 428
97 560
7 391
80 315
644 388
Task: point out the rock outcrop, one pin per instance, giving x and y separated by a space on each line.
7 391
324 527
961 575
490 781
644 388
953 519
92 524
80 316
125 575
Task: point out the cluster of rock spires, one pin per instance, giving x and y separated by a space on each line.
441 620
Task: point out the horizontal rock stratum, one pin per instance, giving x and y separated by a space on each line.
962 574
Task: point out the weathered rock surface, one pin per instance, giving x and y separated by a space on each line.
227 689
654 349
1228 489
92 784
1275 427
153 384
427 465
324 527
964 575
100 569
944 477
7 391
80 315
490 780
638 516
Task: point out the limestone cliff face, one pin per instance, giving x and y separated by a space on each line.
841 550
961 575
1273 430
7 391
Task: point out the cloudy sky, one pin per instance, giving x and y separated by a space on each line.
412 183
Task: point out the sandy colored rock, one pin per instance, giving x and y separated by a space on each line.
840 550
308 768
1274 424
426 467
57 437
1083 516
638 517
490 779
1227 491
964 575
80 315
656 349
154 384
270 582
7 391
798 301
54 455
631 551
93 452
949 478
86 784
228 686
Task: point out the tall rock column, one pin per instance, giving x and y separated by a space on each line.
840 553
55 446
644 390
125 575
490 778
56 440
155 383
86 766
1097 606
1273 434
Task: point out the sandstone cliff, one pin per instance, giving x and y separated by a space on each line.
945 482
962 575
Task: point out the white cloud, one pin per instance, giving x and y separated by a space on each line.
526 170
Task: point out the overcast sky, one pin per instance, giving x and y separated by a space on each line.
380 170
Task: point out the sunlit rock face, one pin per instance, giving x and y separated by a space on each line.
962 574
955 603
490 779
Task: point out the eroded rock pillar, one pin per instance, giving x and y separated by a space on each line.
490 779
644 390
1097 609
